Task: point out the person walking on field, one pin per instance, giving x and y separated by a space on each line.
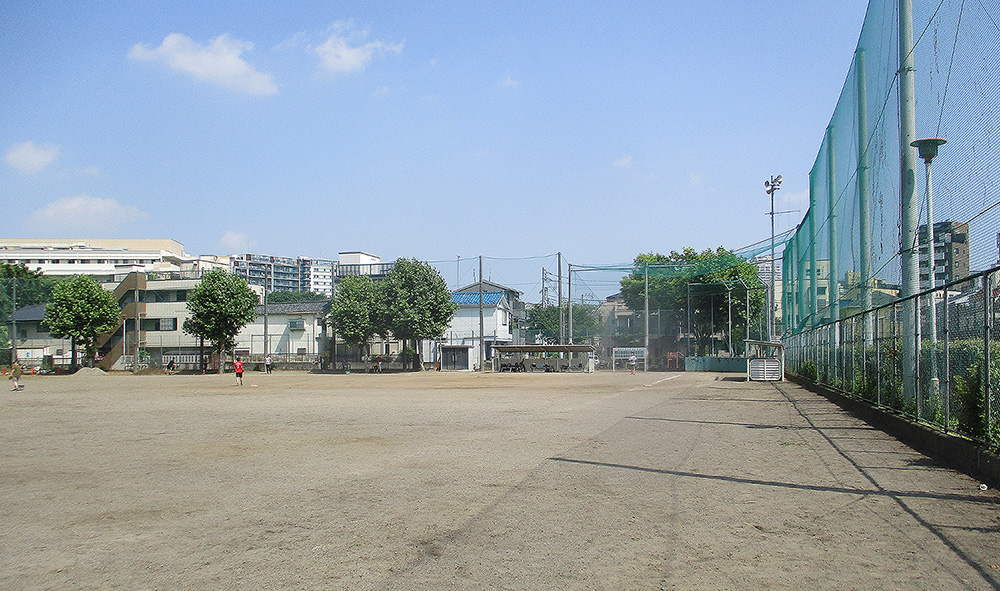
15 375
238 366
267 364
632 362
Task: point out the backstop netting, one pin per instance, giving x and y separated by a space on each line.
890 284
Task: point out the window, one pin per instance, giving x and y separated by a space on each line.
159 324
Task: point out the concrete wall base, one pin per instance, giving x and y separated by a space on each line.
959 453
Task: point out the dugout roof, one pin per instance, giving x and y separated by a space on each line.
543 348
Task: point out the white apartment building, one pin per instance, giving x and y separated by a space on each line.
361 263
321 273
100 258
104 259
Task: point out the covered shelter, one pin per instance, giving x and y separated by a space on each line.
546 358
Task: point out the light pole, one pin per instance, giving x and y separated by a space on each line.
770 186
927 149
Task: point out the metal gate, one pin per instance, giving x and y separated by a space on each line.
455 358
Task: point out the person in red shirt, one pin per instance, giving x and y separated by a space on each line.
238 365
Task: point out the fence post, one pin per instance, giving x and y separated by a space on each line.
839 361
987 318
947 364
916 356
878 359
866 334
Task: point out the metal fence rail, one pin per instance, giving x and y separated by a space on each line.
956 333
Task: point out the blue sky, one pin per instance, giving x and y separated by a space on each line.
510 129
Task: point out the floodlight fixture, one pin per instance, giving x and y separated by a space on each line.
927 148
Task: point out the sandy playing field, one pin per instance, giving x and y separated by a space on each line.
464 481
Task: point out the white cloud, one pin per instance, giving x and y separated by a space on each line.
696 181
219 62
343 51
83 214
31 159
509 82
624 162
89 171
234 242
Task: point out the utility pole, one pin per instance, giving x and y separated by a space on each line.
481 350
265 311
770 187
13 322
544 291
569 297
135 360
562 329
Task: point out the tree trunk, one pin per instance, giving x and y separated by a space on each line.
72 358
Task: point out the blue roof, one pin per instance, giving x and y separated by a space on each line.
467 299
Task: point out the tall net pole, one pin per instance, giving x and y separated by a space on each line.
907 197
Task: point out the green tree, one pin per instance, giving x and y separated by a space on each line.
220 306
82 310
281 296
418 303
29 287
356 310
586 323
545 319
669 276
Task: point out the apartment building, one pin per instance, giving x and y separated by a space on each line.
951 253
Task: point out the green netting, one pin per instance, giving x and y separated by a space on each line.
698 268
845 256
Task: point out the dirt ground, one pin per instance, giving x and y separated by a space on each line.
462 481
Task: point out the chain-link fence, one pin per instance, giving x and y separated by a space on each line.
957 372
